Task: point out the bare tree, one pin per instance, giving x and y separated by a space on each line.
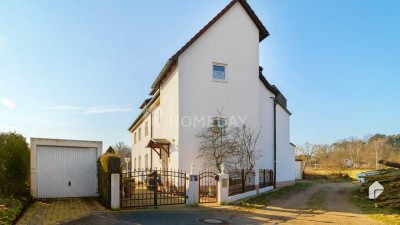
378 145
307 151
217 145
356 146
122 151
246 152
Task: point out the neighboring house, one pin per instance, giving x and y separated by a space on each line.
217 69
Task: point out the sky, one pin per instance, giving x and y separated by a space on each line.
81 69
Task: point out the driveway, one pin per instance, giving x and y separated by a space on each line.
164 218
324 203
57 211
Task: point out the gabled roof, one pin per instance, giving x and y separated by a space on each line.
263 33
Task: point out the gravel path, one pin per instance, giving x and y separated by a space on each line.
294 209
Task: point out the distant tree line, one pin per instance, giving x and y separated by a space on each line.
351 152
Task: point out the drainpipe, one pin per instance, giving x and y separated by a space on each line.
151 137
151 134
275 103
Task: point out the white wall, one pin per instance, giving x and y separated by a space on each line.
232 40
169 108
285 157
266 140
165 126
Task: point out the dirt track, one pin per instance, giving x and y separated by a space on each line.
333 208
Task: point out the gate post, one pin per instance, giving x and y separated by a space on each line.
257 179
115 191
223 187
192 188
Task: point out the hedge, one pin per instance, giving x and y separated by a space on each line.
106 165
14 165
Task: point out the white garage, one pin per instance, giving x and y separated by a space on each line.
64 168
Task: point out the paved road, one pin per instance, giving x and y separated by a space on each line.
156 218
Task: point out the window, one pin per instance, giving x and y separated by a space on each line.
140 162
140 133
146 161
134 164
146 128
219 72
220 123
134 138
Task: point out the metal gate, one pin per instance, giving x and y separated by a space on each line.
208 182
153 188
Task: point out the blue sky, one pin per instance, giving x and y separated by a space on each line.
80 69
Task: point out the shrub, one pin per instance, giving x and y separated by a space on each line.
14 164
110 150
106 165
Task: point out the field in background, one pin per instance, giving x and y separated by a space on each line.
339 175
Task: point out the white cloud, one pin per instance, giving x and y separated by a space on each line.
7 103
110 109
63 107
95 109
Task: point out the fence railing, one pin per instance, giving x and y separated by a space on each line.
239 182
266 178
153 187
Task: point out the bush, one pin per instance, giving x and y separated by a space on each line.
14 164
106 165
110 150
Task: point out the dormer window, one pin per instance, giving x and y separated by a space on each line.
219 72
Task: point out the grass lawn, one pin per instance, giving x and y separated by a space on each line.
387 215
263 199
10 209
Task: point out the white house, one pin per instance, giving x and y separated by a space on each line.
217 69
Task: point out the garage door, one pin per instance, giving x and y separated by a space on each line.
66 172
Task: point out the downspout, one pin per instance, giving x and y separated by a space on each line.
151 134
275 102
151 137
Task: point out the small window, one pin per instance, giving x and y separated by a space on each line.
146 161
146 128
140 162
140 133
219 123
134 138
219 73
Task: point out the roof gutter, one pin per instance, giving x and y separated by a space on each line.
144 110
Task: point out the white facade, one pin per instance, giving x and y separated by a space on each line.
187 94
64 168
